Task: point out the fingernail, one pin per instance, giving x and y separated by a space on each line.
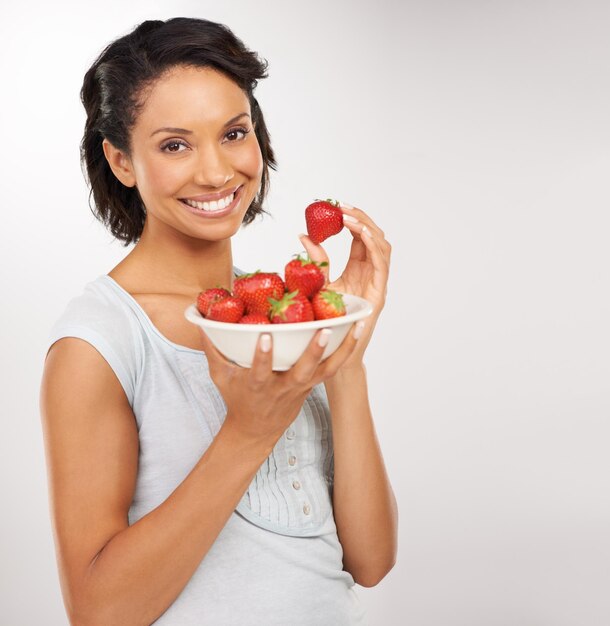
324 337
302 235
265 343
349 218
358 330
345 205
367 232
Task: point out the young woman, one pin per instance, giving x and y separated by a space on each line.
185 489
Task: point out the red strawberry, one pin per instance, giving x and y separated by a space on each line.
256 289
292 307
229 309
254 318
207 297
304 275
324 218
327 303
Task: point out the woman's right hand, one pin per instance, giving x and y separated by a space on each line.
262 403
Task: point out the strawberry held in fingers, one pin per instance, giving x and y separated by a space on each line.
327 304
229 309
208 297
324 218
304 275
256 289
292 307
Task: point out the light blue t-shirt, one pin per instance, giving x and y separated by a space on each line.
278 560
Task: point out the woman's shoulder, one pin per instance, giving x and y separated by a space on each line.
99 316
98 306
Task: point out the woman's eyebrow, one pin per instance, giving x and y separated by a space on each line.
184 131
234 119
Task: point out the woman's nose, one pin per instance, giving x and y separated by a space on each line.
213 168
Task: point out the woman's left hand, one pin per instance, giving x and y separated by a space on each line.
365 274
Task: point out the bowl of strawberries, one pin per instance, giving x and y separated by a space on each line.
291 309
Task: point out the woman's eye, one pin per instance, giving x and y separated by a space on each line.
237 134
173 146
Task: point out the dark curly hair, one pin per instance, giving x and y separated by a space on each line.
112 91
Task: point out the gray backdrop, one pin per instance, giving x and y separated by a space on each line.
476 133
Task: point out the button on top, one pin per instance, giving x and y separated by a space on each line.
290 434
306 509
292 460
296 484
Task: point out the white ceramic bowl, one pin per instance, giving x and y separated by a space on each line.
238 341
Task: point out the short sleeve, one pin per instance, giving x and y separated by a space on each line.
100 320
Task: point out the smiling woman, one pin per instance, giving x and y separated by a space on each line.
146 60
203 149
186 490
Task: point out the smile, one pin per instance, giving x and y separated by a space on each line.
214 207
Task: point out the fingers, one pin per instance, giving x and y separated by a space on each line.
316 253
379 260
331 365
358 214
372 241
361 225
304 369
263 359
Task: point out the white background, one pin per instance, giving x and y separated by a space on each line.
476 134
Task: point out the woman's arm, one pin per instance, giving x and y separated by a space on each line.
110 572
364 505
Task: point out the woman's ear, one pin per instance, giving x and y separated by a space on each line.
120 164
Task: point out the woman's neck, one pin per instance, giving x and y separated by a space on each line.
175 264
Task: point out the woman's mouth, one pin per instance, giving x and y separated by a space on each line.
216 207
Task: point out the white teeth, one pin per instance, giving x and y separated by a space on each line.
216 205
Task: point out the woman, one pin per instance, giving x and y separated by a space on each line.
185 489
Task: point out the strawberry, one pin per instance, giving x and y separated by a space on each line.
304 275
327 303
207 297
254 318
256 289
291 307
229 309
324 218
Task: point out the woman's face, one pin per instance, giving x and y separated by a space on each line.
194 155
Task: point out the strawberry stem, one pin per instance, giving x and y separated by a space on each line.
306 260
329 200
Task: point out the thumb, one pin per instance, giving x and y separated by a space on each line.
316 253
